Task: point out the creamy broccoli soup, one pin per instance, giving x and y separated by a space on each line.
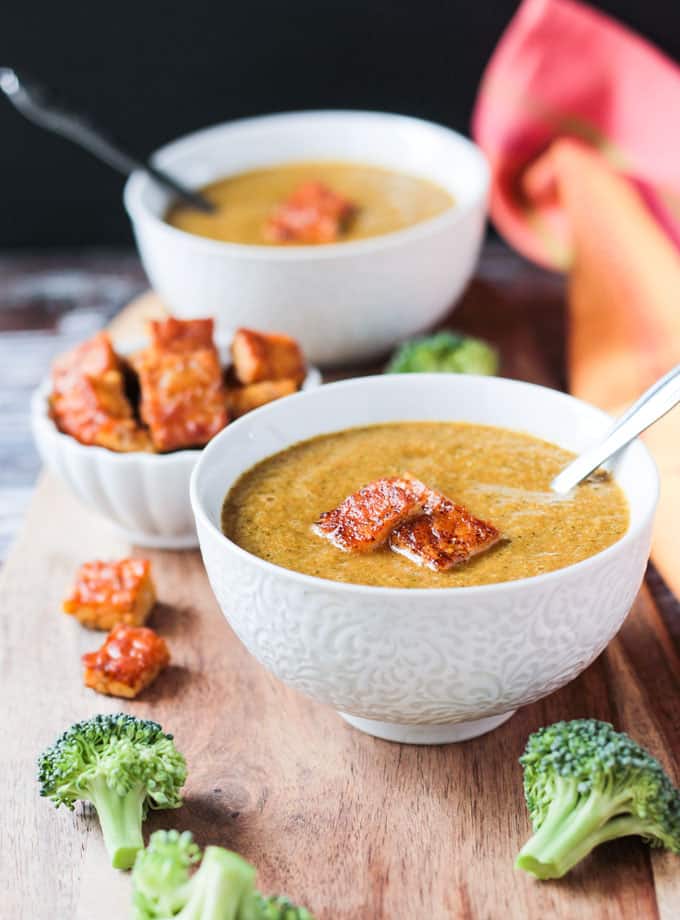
385 200
501 476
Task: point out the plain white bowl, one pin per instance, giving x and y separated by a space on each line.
422 665
145 496
345 301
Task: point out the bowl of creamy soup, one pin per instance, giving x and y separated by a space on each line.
390 546
351 230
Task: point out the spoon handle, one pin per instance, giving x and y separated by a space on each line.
36 104
654 403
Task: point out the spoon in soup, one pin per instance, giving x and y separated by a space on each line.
37 105
654 403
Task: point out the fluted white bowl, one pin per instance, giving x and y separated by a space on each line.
422 665
145 496
343 301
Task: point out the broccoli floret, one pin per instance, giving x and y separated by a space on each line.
223 887
121 764
586 783
280 908
444 352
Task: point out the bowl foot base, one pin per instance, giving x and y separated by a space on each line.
427 734
153 541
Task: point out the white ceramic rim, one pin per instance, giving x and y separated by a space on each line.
40 413
137 211
328 584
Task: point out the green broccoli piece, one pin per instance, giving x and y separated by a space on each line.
584 784
444 352
279 907
121 764
223 887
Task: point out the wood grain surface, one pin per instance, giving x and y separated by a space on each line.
349 825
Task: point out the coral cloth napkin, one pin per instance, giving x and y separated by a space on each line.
580 119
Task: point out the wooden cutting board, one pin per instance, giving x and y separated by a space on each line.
351 826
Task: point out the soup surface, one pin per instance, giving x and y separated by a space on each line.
501 476
386 200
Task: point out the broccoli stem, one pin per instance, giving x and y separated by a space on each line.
221 888
573 827
120 818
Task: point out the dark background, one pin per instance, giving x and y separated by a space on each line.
151 71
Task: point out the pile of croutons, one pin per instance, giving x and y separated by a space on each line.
174 394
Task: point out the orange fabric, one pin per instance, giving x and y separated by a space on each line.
624 282
624 309
564 69
599 202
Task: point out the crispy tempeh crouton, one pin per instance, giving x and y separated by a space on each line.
89 359
182 391
261 356
365 519
418 522
243 399
448 537
181 335
108 593
96 412
176 383
313 213
88 399
129 660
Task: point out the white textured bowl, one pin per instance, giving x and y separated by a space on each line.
145 496
344 301
422 665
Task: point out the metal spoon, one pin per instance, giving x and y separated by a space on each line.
39 107
654 403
